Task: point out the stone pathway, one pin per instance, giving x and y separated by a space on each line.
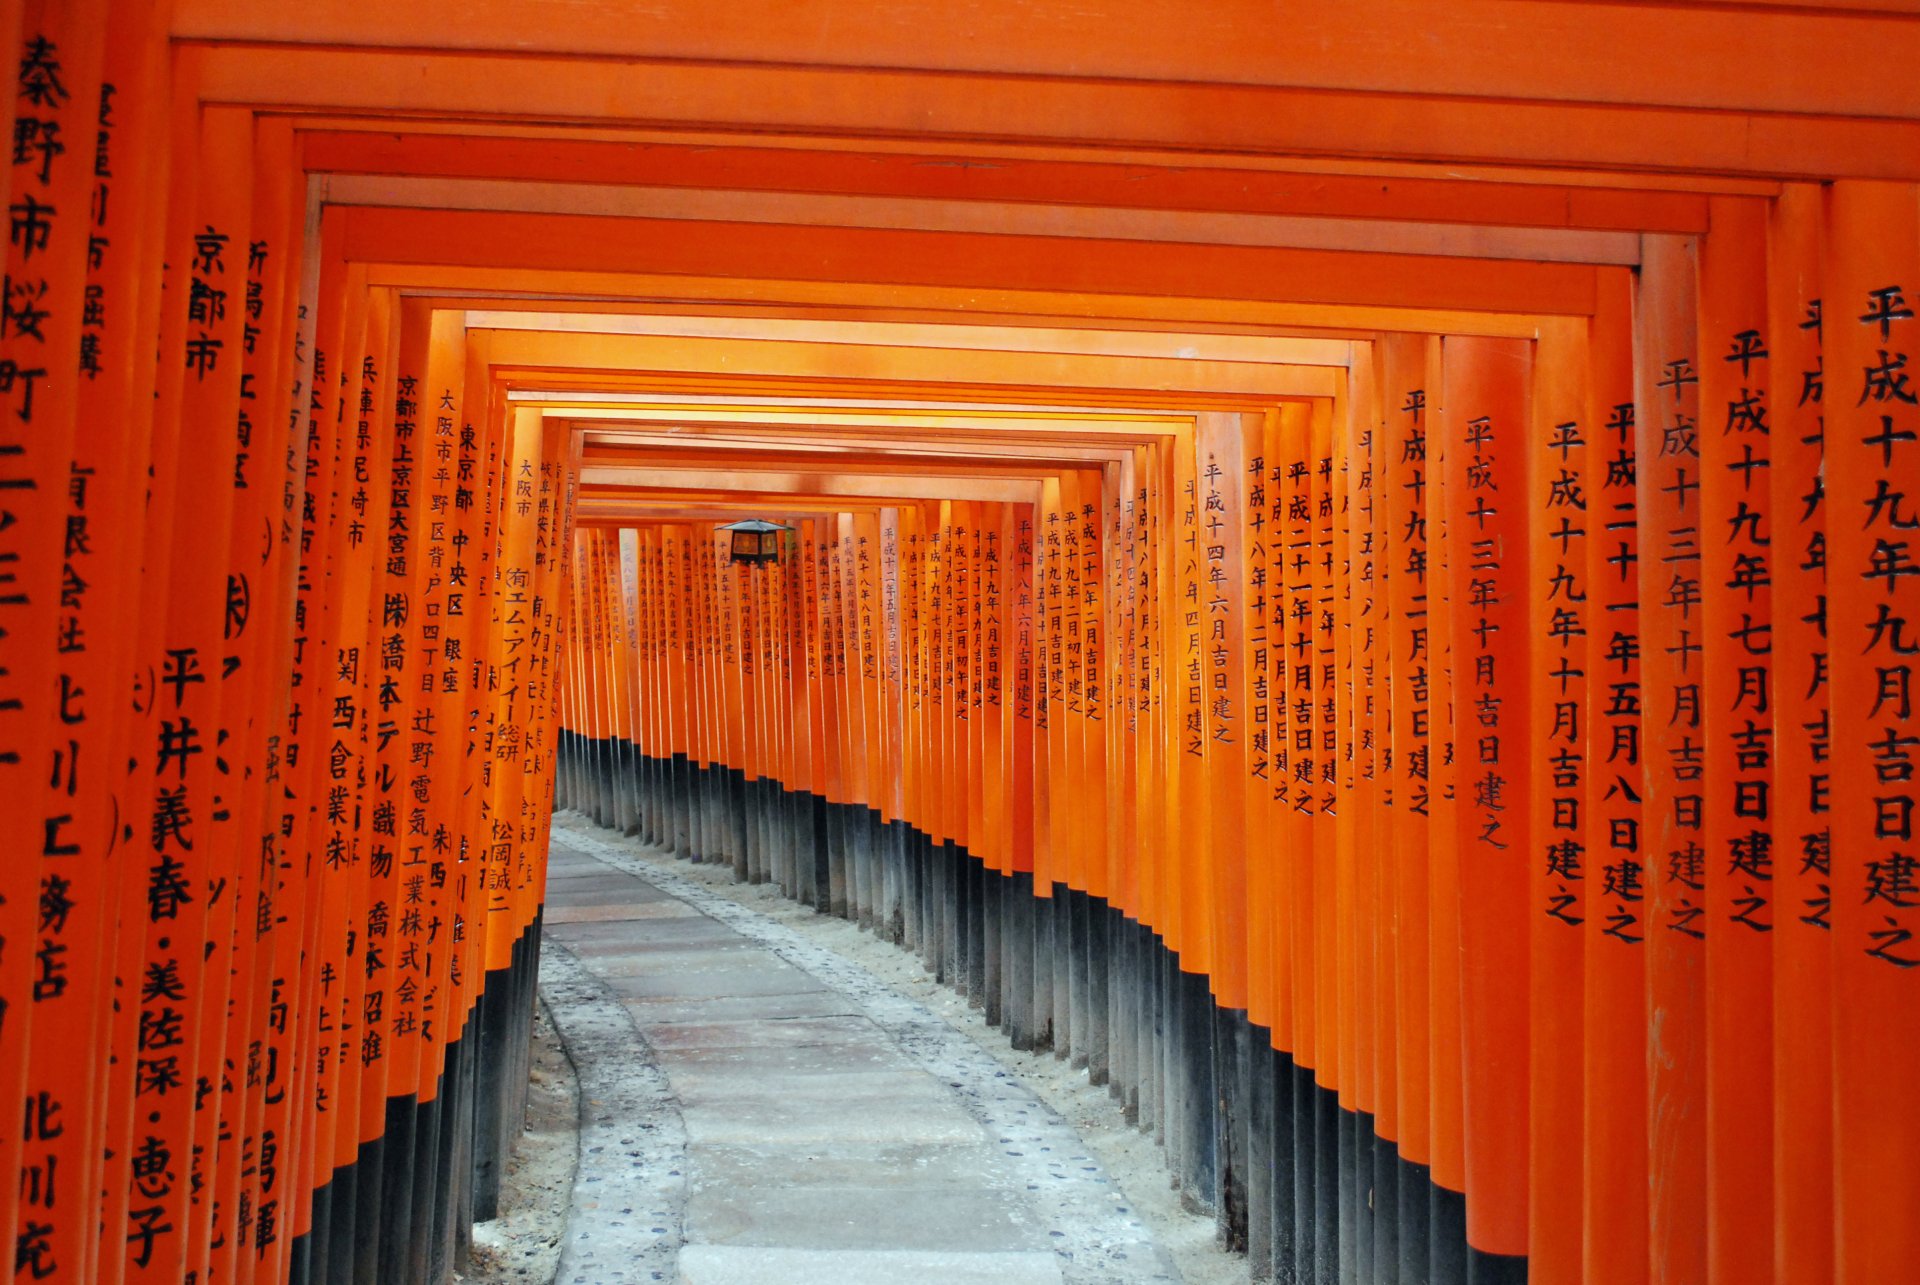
759 1109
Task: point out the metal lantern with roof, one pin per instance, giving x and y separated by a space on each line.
755 541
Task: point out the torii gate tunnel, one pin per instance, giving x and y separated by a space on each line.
1355 567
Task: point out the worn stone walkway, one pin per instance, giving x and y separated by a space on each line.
759 1109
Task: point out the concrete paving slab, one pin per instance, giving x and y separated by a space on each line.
927 1166
782 1060
759 1265
741 981
564 912
747 1033
855 1075
737 1121
611 962
657 1012
942 1219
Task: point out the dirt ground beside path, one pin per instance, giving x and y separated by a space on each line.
522 1245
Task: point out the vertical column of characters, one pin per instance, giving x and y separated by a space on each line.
760 698
1272 844
1377 874
171 229
713 572
1159 746
972 682
1408 396
692 652
60 940
785 673
1317 771
1667 417
629 654
361 1084
674 665
652 698
1803 1008
259 596
1736 619
436 831
674 668
1292 480
1614 1081
524 688
999 671
342 319
1190 845
832 658
55 98
775 696
1024 766
1486 422
1221 464
1072 727
669 619
1050 700
806 622
1445 1069
472 610
846 667
1116 658
997 799
1095 649
696 579
366 868
864 606
553 556
515 639
119 321
569 695
1129 713
913 711
1063 673
957 599
811 566
956 643
1260 823
1043 542
560 463
631 649
389 1063
893 661
553 585
296 956
748 630
1873 621
736 623
1356 595
979 803
640 565
180 1038
1560 519
598 595
826 554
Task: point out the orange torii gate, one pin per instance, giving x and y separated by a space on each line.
1453 744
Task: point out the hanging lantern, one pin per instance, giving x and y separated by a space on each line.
755 541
